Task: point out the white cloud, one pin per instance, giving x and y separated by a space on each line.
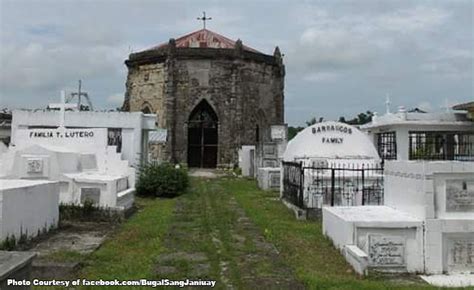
346 41
411 19
333 49
321 77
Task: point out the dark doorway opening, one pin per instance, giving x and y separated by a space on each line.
202 136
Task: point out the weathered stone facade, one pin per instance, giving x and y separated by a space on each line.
244 87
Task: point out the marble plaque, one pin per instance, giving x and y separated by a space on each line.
461 254
34 165
459 195
90 193
274 180
386 251
269 151
270 163
278 132
122 184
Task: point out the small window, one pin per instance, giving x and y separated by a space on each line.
438 145
115 138
387 145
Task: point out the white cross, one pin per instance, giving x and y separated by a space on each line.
62 110
62 106
387 104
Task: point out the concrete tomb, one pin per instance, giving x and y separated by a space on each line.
269 156
247 160
129 132
422 136
28 207
425 226
335 151
79 159
15 265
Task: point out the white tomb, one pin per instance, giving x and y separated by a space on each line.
126 130
422 136
269 156
334 150
80 159
247 160
425 226
88 153
28 207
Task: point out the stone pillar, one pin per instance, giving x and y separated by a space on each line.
170 103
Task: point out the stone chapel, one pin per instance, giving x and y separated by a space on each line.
211 93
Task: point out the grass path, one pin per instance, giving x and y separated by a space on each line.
301 243
131 252
212 238
226 229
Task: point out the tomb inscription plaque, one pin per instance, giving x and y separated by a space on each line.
278 132
275 180
34 165
460 254
90 193
386 251
269 151
459 195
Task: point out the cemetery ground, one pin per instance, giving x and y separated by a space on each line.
228 230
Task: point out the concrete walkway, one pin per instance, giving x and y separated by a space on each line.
204 173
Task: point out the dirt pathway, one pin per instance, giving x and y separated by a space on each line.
212 238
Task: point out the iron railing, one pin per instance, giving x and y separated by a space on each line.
433 145
338 185
293 183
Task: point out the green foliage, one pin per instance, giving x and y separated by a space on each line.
313 121
292 131
162 180
131 252
9 244
87 212
361 119
237 171
87 207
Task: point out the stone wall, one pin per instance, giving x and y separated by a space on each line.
245 89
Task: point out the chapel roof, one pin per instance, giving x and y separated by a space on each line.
204 38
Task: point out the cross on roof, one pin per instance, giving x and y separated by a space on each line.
204 18
62 109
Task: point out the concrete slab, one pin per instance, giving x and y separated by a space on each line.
453 280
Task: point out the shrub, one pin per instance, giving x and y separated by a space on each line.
162 180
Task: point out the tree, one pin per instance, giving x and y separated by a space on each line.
313 121
292 131
361 119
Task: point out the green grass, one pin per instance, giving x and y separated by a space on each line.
206 214
315 261
130 253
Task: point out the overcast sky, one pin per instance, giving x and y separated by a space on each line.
342 57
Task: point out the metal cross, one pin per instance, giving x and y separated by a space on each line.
204 18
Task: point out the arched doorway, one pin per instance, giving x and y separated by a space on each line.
202 136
